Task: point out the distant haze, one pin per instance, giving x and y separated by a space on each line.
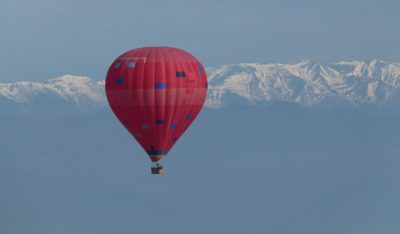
254 170
41 39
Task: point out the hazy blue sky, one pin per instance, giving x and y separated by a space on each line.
46 38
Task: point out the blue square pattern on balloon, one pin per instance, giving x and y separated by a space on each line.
160 85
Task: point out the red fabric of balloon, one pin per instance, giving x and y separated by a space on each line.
156 93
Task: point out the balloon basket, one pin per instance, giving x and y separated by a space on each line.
157 170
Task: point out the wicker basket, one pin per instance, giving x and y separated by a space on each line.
157 171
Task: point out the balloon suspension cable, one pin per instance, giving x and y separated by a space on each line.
156 165
157 168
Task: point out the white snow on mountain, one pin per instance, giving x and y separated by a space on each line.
352 84
77 90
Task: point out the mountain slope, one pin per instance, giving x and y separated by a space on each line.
60 93
305 83
355 84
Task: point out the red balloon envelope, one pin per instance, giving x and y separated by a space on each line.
156 93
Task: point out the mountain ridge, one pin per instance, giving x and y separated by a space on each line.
306 83
353 84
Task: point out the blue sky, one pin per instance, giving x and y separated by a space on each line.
47 38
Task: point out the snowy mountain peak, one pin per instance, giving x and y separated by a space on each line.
359 84
78 91
354 83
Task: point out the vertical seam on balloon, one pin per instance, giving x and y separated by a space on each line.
125 89
173 109
181 128
143 110
151 108
166 132
125 75
119 99
148 138
157 109
182 108
164 79
131 83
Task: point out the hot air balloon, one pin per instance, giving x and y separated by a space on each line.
156 93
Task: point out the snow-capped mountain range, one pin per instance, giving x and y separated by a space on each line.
355 83
358 84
